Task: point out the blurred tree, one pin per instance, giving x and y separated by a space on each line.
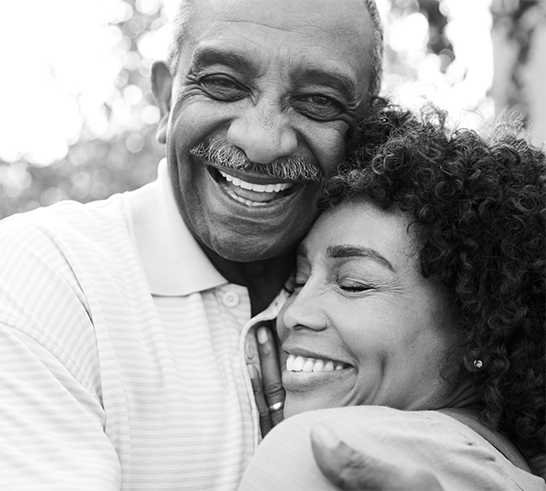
439 51
515 25
436 41
125 156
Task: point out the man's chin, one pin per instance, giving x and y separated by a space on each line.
246 253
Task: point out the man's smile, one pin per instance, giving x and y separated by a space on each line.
249 193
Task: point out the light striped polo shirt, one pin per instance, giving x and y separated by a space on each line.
122 351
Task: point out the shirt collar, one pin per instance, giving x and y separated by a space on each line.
174 263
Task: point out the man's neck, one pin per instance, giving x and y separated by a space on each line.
264 279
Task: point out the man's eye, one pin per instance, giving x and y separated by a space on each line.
222 87
321 100
318 106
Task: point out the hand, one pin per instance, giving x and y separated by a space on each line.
347 468
268 390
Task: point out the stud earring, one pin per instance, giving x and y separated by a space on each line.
478 364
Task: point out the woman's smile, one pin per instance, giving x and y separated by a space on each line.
297 363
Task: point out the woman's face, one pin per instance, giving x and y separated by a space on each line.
364 327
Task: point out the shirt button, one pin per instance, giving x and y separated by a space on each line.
230 299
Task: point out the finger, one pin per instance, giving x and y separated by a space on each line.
263 411
271 374
349 469
336 460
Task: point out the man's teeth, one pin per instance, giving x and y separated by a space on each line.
303 364
259 188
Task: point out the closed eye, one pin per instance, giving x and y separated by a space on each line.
354 287
298 286
299 283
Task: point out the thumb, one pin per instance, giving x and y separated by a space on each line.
349 469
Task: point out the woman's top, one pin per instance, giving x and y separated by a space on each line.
457 455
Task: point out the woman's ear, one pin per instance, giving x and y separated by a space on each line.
162 83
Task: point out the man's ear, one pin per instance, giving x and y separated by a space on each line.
162 83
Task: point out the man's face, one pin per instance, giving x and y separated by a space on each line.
274 79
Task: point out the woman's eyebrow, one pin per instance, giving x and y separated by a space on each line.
341 251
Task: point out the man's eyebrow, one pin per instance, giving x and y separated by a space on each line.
339 81
341 251
207 56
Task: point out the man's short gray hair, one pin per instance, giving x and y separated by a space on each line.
183 15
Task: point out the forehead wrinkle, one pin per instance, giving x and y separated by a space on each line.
262 24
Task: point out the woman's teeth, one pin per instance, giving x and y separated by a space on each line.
259 188
303 364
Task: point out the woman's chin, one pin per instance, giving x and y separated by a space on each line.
290 409
296 404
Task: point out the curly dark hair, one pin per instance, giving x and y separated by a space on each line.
480 202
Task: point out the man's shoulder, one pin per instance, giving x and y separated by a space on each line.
66 222
68 258
68 242
68 214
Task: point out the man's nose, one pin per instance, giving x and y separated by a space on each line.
264 133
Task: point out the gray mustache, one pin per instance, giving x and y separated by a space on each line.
224 154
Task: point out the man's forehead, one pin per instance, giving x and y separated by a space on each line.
312 28
306 41
287 14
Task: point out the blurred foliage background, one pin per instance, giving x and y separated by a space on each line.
478 56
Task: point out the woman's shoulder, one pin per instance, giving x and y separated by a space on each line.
392 428
458 456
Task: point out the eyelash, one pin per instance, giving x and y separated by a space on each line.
347 289
221 87
322 100
349 285
294 285
308 105
218 79
355 288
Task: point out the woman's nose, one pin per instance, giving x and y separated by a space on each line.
303 311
